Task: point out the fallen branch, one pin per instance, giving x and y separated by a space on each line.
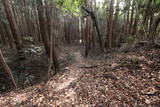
94 20
92 66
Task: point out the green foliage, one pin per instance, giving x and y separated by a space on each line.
144 2
157 2
28 39
30 48
34 49
60 2
141 1
130 38
71 6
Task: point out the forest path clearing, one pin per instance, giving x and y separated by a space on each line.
67 83
59 90
113 79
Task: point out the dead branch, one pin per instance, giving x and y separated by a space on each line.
6 68
91 66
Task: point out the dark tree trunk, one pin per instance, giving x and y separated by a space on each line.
131 21
110 29
14 28
6 68
44 33
93 17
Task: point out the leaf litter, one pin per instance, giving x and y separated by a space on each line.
113 79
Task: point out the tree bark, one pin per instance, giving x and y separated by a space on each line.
110 29
14 28
116 33
6 68
44 34
93 17
131 21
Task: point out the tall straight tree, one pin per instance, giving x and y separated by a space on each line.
13 27
44 33
6 68
3 33
128 3
110 25
116 33
131 20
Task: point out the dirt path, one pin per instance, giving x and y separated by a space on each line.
60 90
66 85
116 79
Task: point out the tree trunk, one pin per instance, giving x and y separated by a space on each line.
128 17
6 68
87 37
131 21
93 17
14 28
44 33
110 29
5 31
116 32
134 32
146 15
3 34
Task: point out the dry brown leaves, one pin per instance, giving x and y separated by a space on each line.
119 79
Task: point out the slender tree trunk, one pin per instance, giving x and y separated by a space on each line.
6 68
94 19
50 31
146 15
9 35
131 21
44 33
13 27
48 16
3 34
110 29
87 37
128 17
134 32
116 33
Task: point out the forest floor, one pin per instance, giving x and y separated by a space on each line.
105 80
